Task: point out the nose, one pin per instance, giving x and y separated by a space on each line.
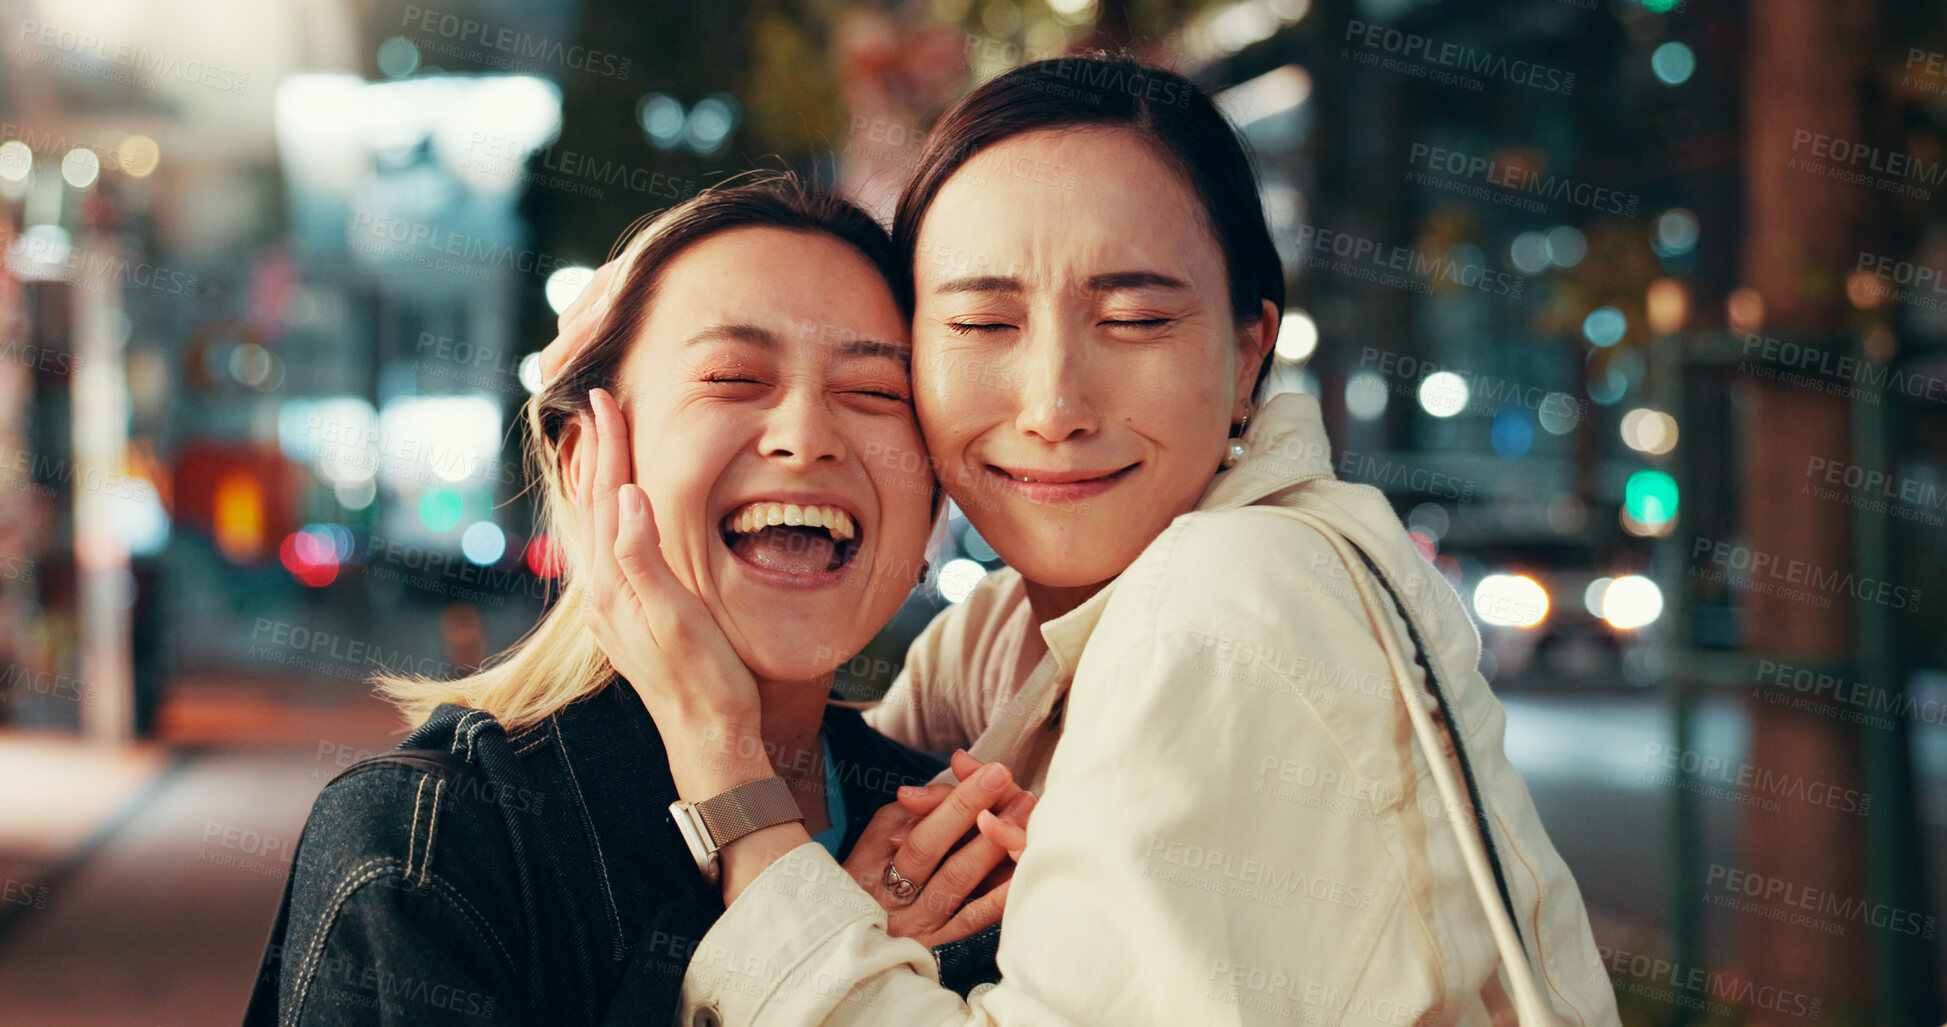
801 429
1055 404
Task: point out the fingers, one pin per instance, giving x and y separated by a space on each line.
975 917
639 555
962 872
586 448
965 766
575 328
1010 838
593 296
611 471
935 835
870 854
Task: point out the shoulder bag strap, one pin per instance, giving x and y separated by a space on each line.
1476 846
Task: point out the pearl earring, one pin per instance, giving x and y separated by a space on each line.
1234 452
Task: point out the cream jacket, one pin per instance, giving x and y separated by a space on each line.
1235 827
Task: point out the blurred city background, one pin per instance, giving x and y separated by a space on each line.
1634 308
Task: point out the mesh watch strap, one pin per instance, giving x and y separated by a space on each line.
751 806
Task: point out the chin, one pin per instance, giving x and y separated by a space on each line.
784 662
1058 562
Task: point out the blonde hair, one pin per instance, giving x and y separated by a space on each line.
558 661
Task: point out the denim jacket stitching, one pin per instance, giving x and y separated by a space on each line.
542 733
361 875
473 731
412 837
594 843
462 743
432 831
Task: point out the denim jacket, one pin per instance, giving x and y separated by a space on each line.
527 878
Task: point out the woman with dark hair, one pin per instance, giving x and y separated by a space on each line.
1239 691
519 860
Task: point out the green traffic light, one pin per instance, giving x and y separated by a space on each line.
1651 498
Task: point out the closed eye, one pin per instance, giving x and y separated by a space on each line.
976 328
1151 322
894 396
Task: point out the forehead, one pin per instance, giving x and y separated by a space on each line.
1083 200
803 287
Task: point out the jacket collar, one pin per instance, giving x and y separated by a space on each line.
1284 446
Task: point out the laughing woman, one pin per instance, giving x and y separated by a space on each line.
521 861
1272 778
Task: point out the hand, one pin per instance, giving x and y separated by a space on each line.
575 328
655 632
923 835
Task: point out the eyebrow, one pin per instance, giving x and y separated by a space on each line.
764 338
1108 282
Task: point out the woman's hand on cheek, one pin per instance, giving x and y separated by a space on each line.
575 328
656 633
937 836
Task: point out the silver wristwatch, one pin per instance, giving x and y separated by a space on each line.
717 821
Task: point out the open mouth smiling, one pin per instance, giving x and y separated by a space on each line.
801 540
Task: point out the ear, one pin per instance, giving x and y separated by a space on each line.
568 452
1254 340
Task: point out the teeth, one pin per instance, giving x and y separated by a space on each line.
756 516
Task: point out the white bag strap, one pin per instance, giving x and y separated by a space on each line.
1483 869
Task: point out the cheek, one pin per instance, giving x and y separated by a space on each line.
957 400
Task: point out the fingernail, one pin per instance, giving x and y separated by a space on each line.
911 791
993 776
631 501
898 837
